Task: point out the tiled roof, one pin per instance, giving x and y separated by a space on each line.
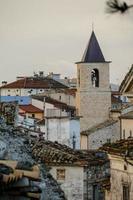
35 83
99 126
93 53
121 147
30 109
53 153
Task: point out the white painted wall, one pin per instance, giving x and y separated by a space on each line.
73 183
75 131
38 104
62 130
20 91
57 129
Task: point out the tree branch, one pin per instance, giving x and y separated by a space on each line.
114 6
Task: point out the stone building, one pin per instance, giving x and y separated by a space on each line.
104 174
106 132
93 86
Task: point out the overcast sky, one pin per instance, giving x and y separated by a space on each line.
51 35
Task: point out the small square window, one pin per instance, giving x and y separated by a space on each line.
60 174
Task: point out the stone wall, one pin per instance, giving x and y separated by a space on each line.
104 135
93 104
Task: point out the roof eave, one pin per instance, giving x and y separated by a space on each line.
80 62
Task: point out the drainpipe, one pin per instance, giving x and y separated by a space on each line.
120 129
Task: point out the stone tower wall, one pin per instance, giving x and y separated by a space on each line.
93 104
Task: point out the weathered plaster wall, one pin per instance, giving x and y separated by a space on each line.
119 177
63 130
66 98
74 132
73 183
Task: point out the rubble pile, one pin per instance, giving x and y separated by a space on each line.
18 182
16 146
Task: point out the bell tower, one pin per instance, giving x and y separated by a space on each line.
93 86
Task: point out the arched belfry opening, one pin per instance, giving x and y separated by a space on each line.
95 78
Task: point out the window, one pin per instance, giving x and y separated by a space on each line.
95 77
123 133
126 192
130 133
79 77
60 174
109 140
33 115
8 90
59 97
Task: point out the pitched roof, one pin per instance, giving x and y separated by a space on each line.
93 53
32 82
30 109
121 147
56 103
54 153
127 82
105 124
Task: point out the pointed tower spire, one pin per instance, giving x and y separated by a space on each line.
93 53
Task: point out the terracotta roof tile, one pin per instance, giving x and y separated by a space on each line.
30 109
35 83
